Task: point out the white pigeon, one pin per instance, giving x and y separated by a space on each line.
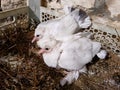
72 54
65 25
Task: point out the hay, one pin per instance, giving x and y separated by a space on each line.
22 69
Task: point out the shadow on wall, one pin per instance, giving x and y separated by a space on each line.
0 6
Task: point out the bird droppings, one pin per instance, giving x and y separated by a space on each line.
31 73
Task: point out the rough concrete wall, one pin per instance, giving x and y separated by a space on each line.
61 3
113 7
106 12
10 4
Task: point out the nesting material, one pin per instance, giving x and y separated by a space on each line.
34 74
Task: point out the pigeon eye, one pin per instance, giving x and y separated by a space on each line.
46 48
38 35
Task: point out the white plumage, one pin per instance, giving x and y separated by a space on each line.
71 54
63 26
62 48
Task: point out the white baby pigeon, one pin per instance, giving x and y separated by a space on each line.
65 25
71 54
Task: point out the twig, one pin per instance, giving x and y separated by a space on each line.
35 79
14 79
5 35
94 82
12 46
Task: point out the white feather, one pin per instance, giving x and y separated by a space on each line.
69 78
102 54
65 25
72 54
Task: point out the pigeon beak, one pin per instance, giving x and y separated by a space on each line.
42 51
34 39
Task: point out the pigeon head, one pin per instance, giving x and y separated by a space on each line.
39 32
46 44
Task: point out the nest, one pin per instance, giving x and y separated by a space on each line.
22 69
